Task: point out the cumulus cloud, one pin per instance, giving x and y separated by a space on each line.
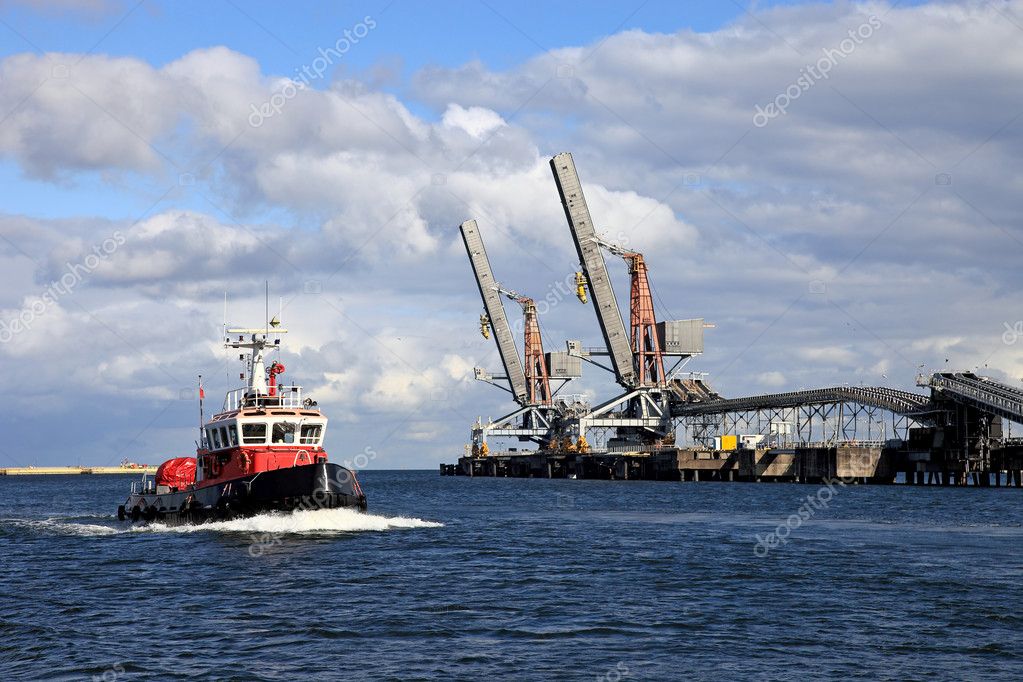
476 121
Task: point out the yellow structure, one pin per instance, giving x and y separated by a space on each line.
729 442
582 445
485 326
580 286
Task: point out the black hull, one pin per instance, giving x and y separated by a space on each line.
312 486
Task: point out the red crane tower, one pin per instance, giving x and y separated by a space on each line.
538 383
645 346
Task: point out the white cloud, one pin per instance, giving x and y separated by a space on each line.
477 121
771 379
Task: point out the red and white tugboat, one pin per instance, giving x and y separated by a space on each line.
262 452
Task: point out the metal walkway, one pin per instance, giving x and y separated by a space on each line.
979 392
899 402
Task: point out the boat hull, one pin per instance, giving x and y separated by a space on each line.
322 485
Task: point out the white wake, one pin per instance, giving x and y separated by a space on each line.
319 521
61 527
313 521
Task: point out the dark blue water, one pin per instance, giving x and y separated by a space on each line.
525 579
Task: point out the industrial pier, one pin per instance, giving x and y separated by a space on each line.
666 424
858 464
60 471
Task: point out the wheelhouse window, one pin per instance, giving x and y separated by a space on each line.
310 434
232 434
284 432
223 437
215 438
253 433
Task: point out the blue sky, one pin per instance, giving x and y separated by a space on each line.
283 36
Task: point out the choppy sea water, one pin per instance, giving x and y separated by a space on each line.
455 578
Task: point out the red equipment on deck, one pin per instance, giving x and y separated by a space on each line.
177 473
275 369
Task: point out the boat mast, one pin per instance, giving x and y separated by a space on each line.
202 420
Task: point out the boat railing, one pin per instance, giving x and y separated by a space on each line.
145 486
286 396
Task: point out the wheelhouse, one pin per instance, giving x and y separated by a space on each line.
266 428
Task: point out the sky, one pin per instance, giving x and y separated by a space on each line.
833 185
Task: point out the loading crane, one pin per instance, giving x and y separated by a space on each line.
529 379
643 412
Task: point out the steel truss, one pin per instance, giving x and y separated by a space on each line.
839 421
643 410
532 422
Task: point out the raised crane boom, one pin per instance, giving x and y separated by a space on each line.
489 291
588 247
